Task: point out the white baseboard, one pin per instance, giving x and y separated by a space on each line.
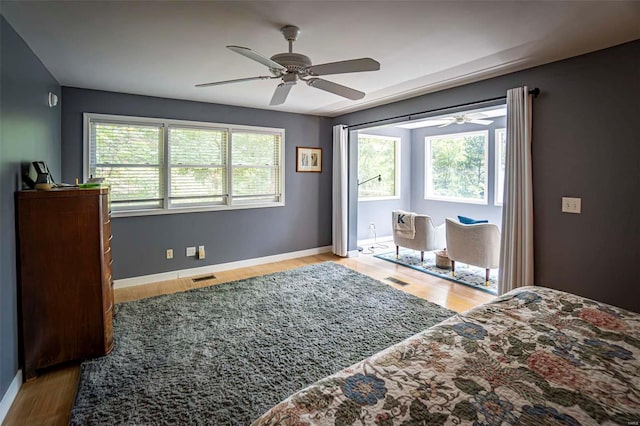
10 395
172 275
384 239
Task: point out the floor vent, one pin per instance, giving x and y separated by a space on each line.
203 278
396 281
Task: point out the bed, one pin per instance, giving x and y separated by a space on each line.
534 356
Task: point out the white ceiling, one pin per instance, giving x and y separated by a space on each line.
163 48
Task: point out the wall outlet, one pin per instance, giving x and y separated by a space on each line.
169 253
571 205
191 251
200 252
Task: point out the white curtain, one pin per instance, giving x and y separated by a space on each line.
516 245
340 189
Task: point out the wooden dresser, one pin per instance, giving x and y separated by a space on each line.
64 273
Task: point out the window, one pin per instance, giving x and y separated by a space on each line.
198 166
501 157
378 155
456 167
168 166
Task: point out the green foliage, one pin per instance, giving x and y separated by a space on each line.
198 146
377 156
130 158
127 144
458 166
501 138
255 149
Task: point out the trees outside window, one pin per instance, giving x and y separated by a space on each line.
155 165
378 155
456 167
501 157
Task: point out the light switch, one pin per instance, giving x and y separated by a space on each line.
169 253
191 251
571 205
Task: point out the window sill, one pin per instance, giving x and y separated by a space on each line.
458 200
180 210
395 197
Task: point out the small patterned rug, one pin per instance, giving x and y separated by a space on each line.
465 274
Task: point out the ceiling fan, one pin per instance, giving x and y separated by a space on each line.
474 117
293 67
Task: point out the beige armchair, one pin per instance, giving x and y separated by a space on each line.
477 245
428 236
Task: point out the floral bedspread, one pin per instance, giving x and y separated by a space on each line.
533 356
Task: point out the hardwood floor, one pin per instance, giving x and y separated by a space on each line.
48 399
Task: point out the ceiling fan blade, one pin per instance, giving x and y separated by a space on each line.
246 52
449 123
428 123
237 80
423 123
335 88
281 93
476 115
485 122
341 67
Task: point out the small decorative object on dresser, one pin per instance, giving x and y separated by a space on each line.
308 159
65 285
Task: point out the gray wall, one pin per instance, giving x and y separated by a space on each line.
379 212
439 210
30 131
139 243
585 144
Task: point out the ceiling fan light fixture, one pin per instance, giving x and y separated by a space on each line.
290 79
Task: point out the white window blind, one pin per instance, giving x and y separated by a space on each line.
198 164
157 166
256 167
129 156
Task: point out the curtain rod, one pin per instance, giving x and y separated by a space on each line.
535 92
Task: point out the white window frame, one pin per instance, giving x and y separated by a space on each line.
229 203
497 165
398 173
428 178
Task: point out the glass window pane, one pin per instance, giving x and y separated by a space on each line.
131 183
501 155
186 202
377 156
125 143
255 149
198 181
255 181
456 166
192 146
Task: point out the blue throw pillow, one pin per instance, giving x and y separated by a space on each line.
469 221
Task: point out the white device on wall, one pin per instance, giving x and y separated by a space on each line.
53 100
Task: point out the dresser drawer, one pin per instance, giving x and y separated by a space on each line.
108 330
106 233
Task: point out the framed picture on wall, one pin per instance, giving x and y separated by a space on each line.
308 159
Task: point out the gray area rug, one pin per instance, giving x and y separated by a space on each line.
469 275
225 354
